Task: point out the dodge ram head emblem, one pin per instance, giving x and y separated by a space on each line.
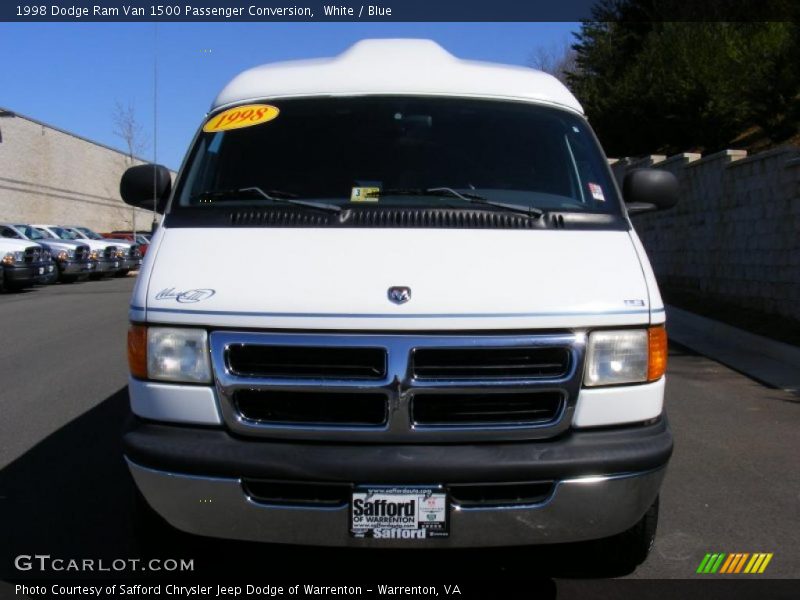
400 294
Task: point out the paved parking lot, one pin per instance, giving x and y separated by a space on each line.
733 483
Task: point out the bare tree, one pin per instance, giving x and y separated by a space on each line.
557 59
128 128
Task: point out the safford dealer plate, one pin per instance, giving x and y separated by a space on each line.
408 513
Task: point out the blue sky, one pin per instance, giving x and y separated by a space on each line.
71 75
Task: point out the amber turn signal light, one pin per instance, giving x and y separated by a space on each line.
656 352
137 351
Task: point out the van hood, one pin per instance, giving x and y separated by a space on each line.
340 279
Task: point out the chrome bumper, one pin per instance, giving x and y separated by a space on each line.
579 509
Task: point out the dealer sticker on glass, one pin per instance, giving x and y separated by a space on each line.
406 513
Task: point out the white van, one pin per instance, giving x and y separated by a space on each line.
414 313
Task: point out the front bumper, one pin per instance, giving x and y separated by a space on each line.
604 481
74 267
130 263
24 274
106 265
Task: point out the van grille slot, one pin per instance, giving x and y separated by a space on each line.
312 408
507 408
253 360
436 218
485 495
490 363
428 218
292 493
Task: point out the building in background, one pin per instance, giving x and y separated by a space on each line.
48 175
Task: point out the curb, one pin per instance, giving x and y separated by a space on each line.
768 361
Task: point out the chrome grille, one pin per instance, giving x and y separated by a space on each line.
33 254
110 252
82 253
312 386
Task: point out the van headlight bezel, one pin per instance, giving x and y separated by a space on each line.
616 357
178 355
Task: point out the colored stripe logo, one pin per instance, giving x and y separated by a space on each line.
736 562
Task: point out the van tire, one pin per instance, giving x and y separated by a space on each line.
629 549
151 533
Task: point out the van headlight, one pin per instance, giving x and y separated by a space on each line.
625 356
177 354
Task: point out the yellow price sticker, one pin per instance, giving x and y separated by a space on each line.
241 116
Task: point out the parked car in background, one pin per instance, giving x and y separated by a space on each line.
103 254
128 253
133 238
23 263
71 260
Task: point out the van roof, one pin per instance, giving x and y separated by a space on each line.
396 67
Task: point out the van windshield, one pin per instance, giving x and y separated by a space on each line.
392 151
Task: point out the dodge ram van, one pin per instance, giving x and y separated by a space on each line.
415 313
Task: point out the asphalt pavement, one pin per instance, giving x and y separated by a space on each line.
733 484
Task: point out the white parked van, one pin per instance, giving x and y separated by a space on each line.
415 313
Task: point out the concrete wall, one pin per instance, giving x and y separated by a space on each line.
735 236
51 176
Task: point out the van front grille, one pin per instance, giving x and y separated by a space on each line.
490 363
516 408
312 408
397 387
252 360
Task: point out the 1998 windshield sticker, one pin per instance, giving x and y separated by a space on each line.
399 513
187 296
241 116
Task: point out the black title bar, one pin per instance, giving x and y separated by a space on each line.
392 10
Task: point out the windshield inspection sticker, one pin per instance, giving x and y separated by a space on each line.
241 116
365 194
597 192
398 513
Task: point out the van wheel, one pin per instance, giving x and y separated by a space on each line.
152 535
627 550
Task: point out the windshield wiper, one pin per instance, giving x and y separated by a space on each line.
272 195
529 211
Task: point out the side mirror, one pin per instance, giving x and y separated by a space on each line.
650 189
140 184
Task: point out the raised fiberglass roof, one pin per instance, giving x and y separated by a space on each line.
396 67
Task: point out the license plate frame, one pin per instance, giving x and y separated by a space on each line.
375 518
